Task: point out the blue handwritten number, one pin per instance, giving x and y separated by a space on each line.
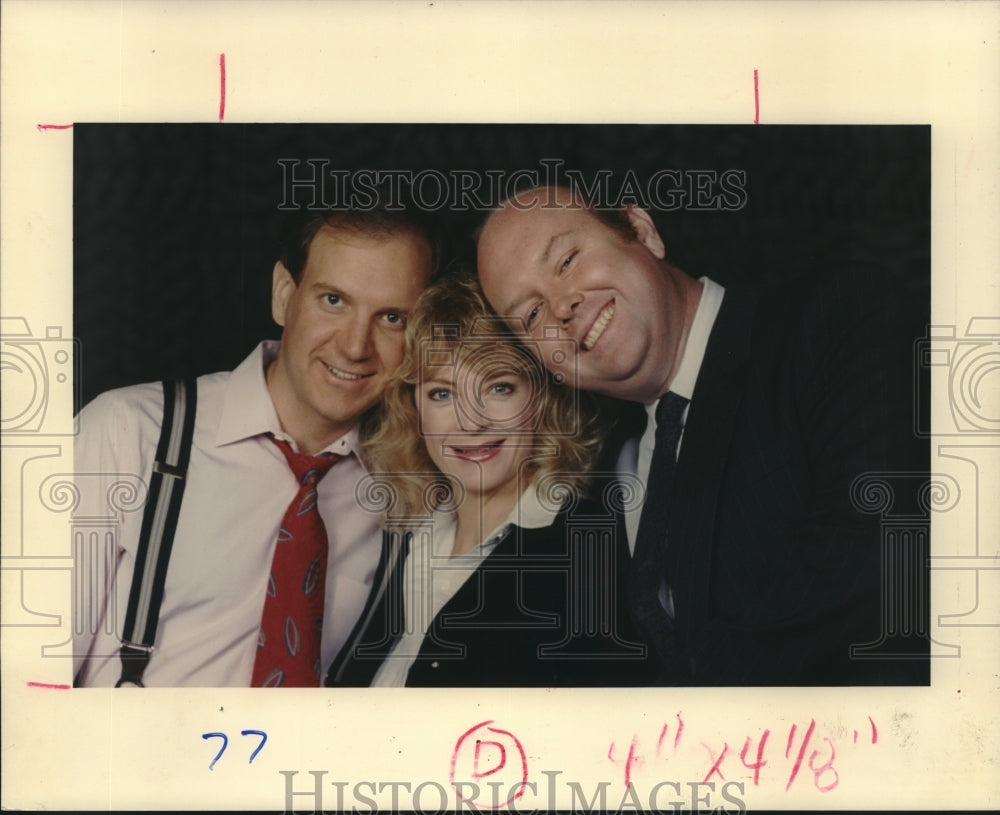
225 743
263 741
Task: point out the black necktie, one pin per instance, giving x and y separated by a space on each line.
648 569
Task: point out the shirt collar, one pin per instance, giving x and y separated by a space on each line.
247 409
528 513
697 341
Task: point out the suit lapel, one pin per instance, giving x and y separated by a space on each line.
630 421
718 392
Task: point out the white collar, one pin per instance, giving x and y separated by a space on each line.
247 409
697 341
528 513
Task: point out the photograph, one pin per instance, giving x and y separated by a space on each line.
408 282
569 405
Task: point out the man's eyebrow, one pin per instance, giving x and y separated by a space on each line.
546 253
542 260
321 287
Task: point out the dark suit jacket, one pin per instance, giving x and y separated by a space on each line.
776 568
544 609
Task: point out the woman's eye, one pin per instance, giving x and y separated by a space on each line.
332 299
438 394
532 315
501 388
568 260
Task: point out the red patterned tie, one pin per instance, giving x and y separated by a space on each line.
291 629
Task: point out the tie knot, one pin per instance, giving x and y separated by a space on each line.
307 469
669 412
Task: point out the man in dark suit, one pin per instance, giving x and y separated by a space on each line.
754 563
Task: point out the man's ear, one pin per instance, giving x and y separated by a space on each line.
646 231
282 288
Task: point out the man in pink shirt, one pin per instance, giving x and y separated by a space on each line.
341 292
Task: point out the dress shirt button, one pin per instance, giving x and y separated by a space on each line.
435 664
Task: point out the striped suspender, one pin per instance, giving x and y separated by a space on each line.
159 522
395 549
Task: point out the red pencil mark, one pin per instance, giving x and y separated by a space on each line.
479 760
659 742
475 766
46 684
631 760
824 768
761 761
717 762
802 753
756 99
810 753
222 86
53 127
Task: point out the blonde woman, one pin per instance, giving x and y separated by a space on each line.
497 570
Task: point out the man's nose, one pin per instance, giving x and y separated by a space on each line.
356 338
565 302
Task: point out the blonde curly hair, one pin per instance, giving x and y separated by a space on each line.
452 324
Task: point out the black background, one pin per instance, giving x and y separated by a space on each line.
176 226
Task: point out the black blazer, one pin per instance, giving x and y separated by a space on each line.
544 609
776 566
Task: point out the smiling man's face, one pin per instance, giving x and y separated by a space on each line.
344 324
545 261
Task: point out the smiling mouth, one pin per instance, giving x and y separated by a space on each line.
346 376
597 329
479 452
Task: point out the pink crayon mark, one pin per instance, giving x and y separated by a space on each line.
631 760
874 730
659 741
791 737
826 767
761 761
222 86
756 99
470 760
717 762
801 755
479 760
680 730
53 127
46 684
